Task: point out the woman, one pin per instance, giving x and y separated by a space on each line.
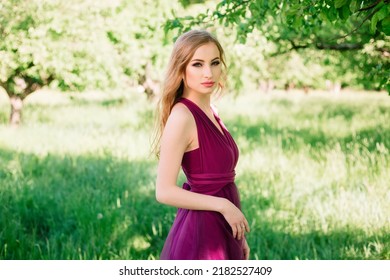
209 223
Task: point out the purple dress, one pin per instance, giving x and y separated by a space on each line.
206 235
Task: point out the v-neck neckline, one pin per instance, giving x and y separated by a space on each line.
221 131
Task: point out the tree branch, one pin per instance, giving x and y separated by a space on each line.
296 47
320 46
34 85
369 7
339 47
360 25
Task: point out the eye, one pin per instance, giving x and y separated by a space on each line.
216 62
197 64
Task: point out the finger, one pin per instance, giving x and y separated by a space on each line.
239 232
243 228
247 226
234 229
242 231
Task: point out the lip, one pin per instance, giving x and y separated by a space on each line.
208 84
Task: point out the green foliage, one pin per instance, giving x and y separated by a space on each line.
80 45
298 26
340 3
313 176
376 20
187 3
64 42
134 28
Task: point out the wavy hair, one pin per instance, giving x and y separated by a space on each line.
173 86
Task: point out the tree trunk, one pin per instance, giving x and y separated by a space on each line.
16 110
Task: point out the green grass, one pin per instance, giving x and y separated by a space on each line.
77 181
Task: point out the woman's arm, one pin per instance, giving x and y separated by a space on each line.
177 136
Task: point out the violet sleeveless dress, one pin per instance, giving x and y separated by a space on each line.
206 235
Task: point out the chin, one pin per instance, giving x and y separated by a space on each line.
207 91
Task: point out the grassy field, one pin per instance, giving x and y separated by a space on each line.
77 181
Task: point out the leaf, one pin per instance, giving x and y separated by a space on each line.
221 4
298 22
331 14
344 12
354 6
176 23
323 16
386 26
292 11
378 16
340 3
217 14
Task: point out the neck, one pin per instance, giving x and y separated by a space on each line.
202 100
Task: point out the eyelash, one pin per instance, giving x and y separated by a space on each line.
198 64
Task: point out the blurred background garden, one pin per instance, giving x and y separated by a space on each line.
307 103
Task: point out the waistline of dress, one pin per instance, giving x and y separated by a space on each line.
209 183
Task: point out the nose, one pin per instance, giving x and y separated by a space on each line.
207 73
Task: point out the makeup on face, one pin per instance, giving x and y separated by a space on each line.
204 69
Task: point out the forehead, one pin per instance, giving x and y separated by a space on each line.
206 52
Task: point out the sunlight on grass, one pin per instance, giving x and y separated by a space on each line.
77 180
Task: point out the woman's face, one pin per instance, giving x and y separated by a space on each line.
203 71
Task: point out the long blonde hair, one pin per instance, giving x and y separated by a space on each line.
183 50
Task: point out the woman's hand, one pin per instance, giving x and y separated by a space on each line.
235 219
246 249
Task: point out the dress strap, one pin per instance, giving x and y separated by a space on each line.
201 116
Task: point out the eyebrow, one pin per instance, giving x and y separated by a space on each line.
203 60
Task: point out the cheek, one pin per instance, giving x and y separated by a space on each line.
217 72
190 75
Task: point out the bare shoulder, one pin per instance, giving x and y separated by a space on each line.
181 116
180 129
180 108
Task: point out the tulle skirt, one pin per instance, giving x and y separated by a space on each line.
203 235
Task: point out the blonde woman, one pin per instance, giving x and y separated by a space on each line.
209 223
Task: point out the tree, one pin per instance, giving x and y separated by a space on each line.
77 45
53 42
358 26
134 29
